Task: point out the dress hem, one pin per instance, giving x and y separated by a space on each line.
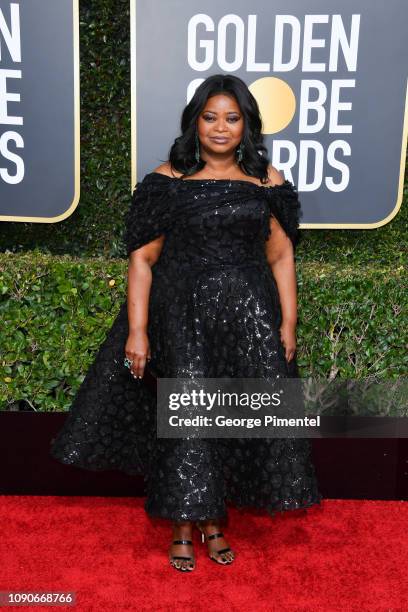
269 510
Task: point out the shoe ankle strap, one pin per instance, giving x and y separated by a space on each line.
215 535
182 542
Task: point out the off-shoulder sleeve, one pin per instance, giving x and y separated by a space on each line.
149 214
283 201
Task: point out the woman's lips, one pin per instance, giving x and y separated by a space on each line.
219 139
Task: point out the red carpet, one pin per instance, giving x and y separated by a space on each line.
345 555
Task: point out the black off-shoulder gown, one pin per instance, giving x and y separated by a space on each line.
214 311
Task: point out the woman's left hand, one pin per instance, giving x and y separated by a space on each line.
288 337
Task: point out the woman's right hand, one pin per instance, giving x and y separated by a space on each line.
137 349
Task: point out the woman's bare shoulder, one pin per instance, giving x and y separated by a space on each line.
167 170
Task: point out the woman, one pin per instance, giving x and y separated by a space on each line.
210 237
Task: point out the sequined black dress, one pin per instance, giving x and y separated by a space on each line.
214 311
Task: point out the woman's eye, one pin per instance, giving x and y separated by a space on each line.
232 119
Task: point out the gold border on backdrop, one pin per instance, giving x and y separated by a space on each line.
77 149
133 162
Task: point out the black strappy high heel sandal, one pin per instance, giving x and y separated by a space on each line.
221 551
173 558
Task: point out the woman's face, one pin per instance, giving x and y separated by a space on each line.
220 125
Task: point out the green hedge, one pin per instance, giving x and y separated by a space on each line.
96 226
55 313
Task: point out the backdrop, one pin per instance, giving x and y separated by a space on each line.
330 78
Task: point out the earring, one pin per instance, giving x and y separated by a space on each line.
240 152
197 148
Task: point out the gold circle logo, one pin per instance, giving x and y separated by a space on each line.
276 101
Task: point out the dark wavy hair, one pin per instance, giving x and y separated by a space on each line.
254 154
